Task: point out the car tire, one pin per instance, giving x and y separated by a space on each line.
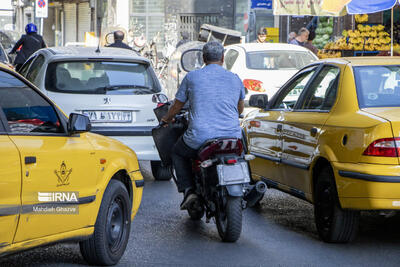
334 224
160 171
111 232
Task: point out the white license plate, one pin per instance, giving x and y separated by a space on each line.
110 116
233 174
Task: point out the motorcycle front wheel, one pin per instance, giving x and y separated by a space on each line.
229 219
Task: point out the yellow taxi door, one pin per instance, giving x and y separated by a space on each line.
302 127
266 128
10 189
59 172
265 142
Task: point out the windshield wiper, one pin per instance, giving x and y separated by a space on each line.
124 86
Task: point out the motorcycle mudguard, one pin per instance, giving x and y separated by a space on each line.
235 190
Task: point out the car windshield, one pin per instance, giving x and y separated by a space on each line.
378 86
101 77
276 60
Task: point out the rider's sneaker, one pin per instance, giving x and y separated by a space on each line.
189 197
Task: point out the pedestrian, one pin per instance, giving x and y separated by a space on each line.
185 39
29 44
261 35
118 38
308 44
301 38
292 35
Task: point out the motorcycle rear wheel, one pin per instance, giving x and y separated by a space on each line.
229 219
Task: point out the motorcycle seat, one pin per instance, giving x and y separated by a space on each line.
225 145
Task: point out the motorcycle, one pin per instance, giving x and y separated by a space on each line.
221 175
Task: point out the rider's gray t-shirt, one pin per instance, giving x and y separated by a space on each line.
213 94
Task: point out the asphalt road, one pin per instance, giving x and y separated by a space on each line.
279 233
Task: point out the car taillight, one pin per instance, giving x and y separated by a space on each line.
231 161
385 147
253 85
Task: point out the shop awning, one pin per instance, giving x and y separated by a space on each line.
307 7
358 6
330 7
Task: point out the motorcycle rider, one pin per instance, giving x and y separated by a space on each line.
216 99
30 42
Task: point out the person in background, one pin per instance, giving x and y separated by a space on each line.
308 44
118 38
261 35
185 39
292 35
29 43
301 37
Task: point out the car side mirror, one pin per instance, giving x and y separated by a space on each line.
258 101
192 59
78 123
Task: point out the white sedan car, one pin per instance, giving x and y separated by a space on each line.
114 87
265 67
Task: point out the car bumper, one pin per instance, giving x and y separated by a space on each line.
368 186
139 139
143 146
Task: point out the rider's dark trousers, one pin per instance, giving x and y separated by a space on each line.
182 156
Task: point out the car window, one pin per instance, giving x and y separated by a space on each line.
3 55
5 41
230 58
24 69
101 77
288 98
26 111
378 86
321 93
277 60
35 69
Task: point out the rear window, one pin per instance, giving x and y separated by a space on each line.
275 60
378 86
101 77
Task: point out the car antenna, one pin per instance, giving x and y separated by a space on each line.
98 45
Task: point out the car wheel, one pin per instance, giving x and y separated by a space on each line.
334 224
112 228
160 172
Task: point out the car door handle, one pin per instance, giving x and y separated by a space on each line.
314 131
279 128
30 160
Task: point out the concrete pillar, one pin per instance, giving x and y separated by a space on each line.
122 12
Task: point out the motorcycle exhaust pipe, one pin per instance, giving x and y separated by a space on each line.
255 194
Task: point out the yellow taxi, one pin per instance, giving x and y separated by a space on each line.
59 182
331 136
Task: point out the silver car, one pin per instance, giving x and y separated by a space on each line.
114 87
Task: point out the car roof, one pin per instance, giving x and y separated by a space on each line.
363 61
250 47
90 52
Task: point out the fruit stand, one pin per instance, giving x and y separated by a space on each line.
365 39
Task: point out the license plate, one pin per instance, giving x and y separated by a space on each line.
233 174
109 116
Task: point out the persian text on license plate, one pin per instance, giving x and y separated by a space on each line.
110 116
